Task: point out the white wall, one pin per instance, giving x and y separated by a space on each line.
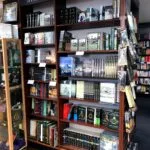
144 11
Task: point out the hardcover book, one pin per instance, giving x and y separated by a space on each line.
66 66
74 44
108 92
82 45
91 115
82 113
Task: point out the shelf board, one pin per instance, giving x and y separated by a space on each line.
45 117
87 124
101 104
44 98
15 87
91 79
93 24
39 28
142 77
143 84
36 2
39 45
36 64
40 143
70 147
90 52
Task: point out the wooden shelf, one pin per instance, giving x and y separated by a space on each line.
40 45
36 64
39 28
142 77
44 98
90 52
87 124
44 117
87 25
70 147
91 79
101 104
40 143
36 2
15 87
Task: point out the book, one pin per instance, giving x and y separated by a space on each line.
49 38
74 44
67 107
91 115
108 12
108 92
82 113
66 65
33 127
82 45
80 89
92 14
130 98
30 56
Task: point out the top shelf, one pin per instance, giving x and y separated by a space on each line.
35 2
93 24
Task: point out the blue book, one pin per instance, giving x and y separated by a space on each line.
66 65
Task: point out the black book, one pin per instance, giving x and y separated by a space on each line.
91 115
82 113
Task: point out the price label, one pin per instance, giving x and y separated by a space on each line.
30 82
80 53
42 64
52 83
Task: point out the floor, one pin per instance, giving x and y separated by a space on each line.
142 135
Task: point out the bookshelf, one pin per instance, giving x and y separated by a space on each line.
143 86
12 102
78 30
41 93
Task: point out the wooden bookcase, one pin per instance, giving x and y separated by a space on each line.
12 83
59 100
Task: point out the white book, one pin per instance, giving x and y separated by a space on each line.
49 37
108 92
80 89
33 125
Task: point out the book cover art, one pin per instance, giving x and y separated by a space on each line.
108 11
65 88
80 89
92 41
82 45
108 92
91 115
66 65
82 113
78 68
74 44
49 37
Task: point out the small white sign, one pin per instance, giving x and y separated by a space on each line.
30 82
52 83
80 53
42 64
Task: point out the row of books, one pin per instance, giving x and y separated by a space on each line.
43 108
91 115
143 66
42 73
143 51
44 131
9 31
36 19
39 38
145 36
143 89
81 138
145 81
89 140
104 92
41 55
143 59
43 90
73 14
143 73
145 43
102 66
93 41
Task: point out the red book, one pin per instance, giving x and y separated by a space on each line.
66 110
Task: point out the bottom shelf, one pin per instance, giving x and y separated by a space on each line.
70 147
40 143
